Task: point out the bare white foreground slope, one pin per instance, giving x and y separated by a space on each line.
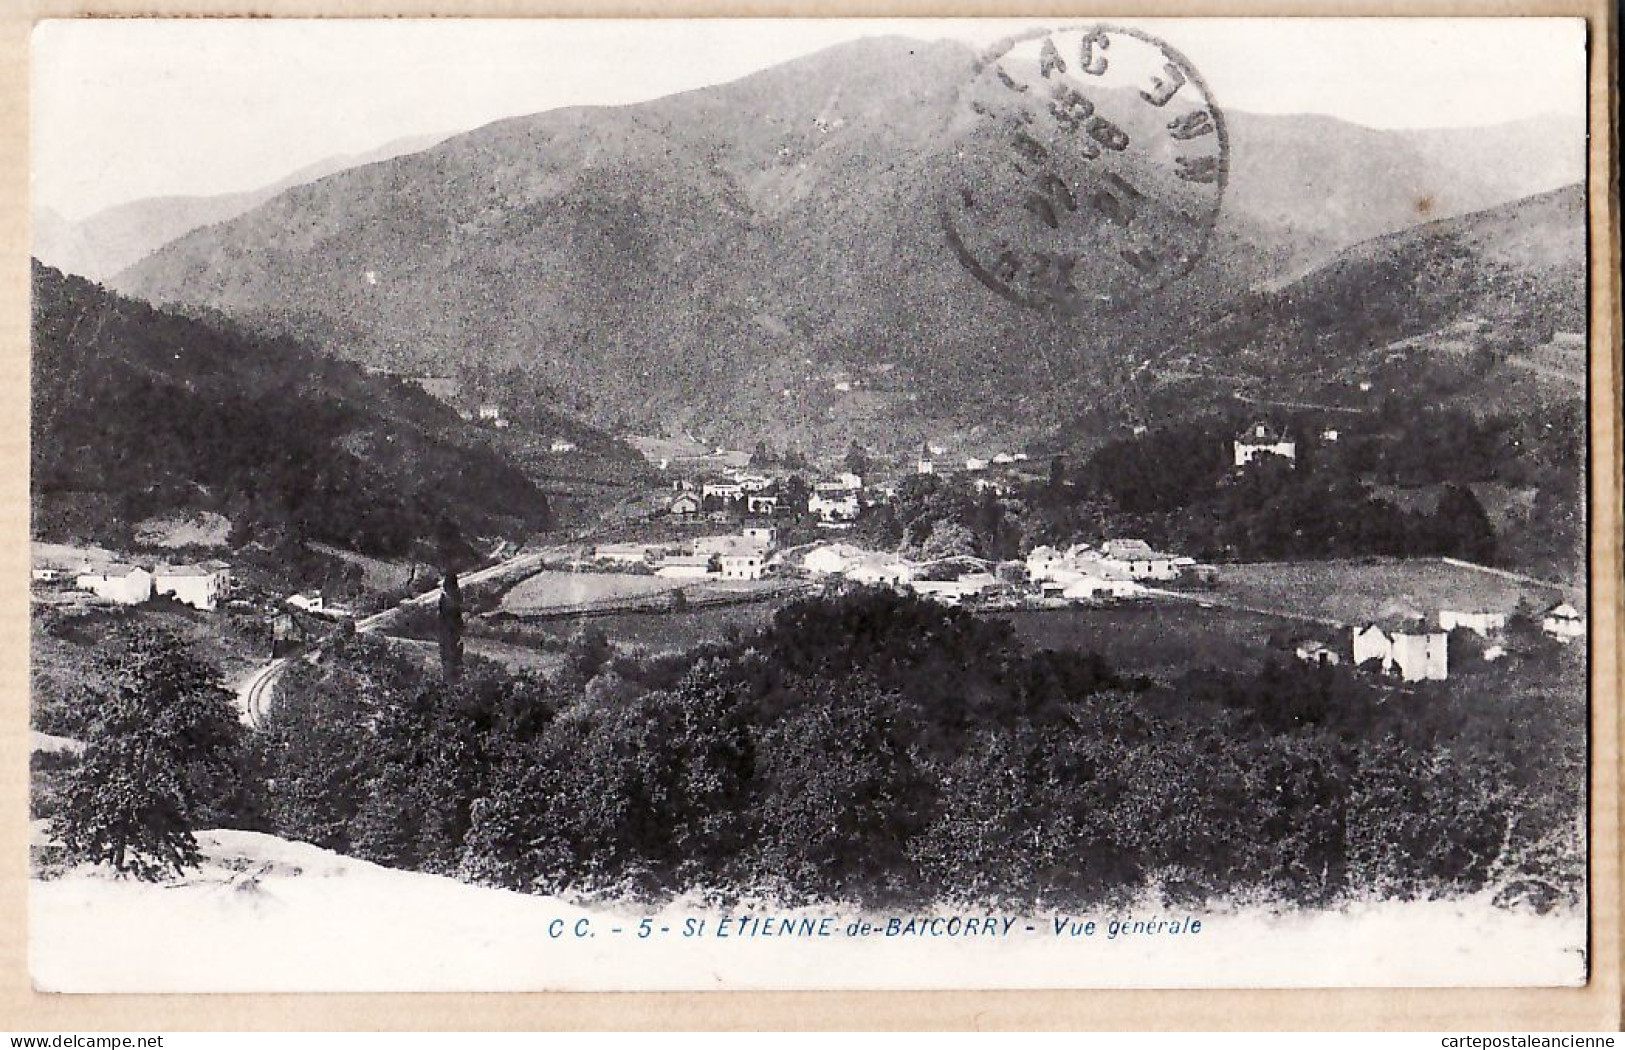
270 915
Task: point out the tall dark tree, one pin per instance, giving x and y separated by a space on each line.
1057 472
450 627
857 459
1462 527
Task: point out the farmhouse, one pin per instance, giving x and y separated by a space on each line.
727 545
723 490
1563 622
686 567
1003 459
839 485
760 532
761 503
925 464
975 463
743 566
490 413
953 592
1482 624
1042 560
563 445
1136 559
1077 586
312 602
881 569
1261 439
841 506
686 505
753 482
1314 651
832 560
202 586
122 584
1415 654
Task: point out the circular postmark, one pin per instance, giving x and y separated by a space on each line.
1090 166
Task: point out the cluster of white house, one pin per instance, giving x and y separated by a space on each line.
970 576
1115 569
1081 573
203 586
1262 439
1415 652
927 461
836 500
741 557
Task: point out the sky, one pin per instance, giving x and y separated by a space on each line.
125 109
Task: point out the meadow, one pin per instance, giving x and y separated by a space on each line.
1360 590
1162 639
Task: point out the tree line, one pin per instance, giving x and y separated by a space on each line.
869 747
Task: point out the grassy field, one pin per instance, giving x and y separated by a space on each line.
649 631
547 590
1159 640
1356 591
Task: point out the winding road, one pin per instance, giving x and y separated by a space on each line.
254 692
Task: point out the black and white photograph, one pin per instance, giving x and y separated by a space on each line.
673 505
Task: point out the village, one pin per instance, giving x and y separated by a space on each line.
723 531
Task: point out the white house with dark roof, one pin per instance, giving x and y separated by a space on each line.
202 586
834 506
1414 653
1261 439
122 584
1563 622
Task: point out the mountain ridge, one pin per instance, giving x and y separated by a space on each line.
657 266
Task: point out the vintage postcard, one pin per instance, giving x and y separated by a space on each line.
810 504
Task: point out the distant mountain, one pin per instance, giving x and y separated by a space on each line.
765 258
137 412
101 245
1316 185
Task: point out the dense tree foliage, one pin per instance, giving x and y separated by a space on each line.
1178 486
880 748
150 411
163 757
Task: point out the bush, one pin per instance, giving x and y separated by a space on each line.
161 753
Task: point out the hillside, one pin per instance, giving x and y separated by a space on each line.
100 245
1460 295
137 412
724 260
